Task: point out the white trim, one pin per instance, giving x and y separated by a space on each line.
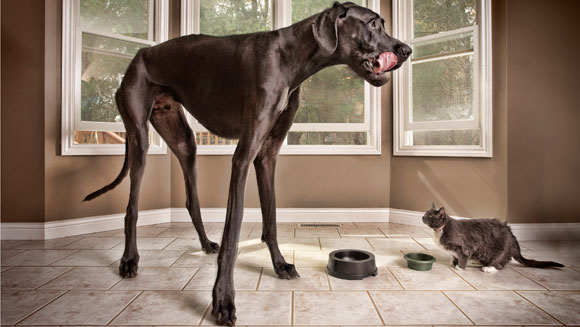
402 136
80 226
291 215
523 232
71 93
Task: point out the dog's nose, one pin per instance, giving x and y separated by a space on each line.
405 50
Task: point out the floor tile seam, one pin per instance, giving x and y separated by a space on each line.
168 244
528 278
369 242
41 307
125 307
376 308
260 277
457 306
52 263
190 278
465 280
292 310
64 273
328 279
396 279
319 243
535 305
9 268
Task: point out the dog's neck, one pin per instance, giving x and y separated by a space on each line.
304 52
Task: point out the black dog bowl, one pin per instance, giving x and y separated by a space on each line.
419 261
351 264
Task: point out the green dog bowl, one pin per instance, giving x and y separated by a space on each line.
419 261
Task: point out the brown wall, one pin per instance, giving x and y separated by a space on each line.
544 111
22 114
532 177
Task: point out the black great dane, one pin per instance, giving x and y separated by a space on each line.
242 87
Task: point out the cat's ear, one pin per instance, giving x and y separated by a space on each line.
442 211
433 205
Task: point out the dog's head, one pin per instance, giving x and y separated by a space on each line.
357 36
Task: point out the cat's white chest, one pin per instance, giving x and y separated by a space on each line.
437 241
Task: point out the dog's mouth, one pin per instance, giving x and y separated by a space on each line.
384 62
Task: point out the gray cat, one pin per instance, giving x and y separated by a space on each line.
488 241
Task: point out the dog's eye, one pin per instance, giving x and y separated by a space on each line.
373 24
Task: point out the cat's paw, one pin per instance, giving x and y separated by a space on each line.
457 267
488 269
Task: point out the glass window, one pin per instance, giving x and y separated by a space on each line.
442 104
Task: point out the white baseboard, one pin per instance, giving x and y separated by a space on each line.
71 227
295 215
523 232
79 226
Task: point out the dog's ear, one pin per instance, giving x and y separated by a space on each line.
325 28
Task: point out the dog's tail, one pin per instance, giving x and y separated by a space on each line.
117 180
517 255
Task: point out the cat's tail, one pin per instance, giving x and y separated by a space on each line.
517 255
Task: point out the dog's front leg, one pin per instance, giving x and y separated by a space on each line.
256 125
265 165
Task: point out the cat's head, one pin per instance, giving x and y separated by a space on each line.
435 218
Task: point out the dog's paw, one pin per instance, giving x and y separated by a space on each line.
211 247
224 310
286 271
128 267
488 269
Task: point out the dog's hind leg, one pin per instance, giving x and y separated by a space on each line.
265 165
170 122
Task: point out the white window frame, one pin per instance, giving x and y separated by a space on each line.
403 127
282 17
71 79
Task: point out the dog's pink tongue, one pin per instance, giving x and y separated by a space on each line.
385 61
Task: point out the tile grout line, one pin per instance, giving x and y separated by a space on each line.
545 288
292 310
465 280
369 242
319 243
124 307
376 308
458 308
190 278
52 263
260 277
168 244
327 279
205 313
544 311
39 286
421 245
396 279
41 307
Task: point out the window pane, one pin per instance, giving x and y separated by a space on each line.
456 137
434 16
207 138
104 62
443 89
451 45
333 95
126 17
302 9
225 17
327 138
98 137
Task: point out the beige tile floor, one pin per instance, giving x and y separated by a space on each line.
74 281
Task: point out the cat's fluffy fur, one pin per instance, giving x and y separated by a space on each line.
488 241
